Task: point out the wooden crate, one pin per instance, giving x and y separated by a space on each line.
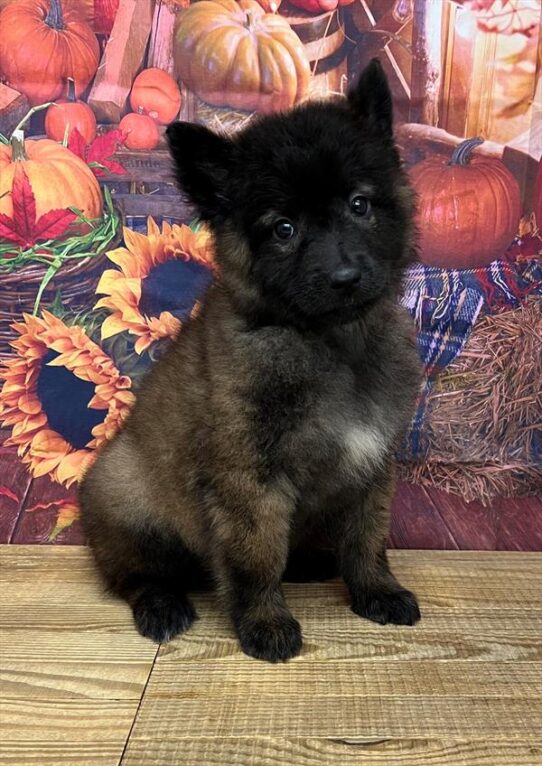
148 188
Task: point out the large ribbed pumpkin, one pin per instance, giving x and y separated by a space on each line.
234 54
59 179
468 208
41 45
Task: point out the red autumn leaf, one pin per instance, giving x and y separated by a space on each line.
53 224
102 149
8 230
98 154
24 204
77 144
22 228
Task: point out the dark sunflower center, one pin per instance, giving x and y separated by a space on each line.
174 286
64 399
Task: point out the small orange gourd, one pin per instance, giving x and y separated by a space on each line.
156 93
69 113
140 131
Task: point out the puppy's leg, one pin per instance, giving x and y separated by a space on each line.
153 573
252 546
144 563
362 535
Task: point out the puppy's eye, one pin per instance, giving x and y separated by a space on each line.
360 205
284 229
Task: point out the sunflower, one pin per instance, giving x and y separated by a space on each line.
62 397
161 277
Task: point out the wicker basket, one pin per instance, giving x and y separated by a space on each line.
76 282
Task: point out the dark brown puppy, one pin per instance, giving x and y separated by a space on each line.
264 436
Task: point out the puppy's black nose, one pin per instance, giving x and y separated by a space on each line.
345 276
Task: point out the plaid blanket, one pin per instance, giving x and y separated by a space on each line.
445 305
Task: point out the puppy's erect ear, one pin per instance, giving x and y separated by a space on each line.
202 161
370 99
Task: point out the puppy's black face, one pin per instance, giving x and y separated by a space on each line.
311 209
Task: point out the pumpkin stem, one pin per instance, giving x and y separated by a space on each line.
29 114
71 90
462 153
54 18
248 21
17 146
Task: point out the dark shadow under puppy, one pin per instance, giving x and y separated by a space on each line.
260 447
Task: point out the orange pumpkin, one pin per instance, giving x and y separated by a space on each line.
68 114
468 208
59 179
156 93
236 55
140 131
41 45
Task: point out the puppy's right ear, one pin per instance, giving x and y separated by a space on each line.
202 160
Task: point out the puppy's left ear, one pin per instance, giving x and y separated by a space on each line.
370 98
202 160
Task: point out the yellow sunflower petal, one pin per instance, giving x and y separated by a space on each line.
108 281
71 466
112 326
41 467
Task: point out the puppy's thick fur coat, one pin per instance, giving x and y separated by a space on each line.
260 447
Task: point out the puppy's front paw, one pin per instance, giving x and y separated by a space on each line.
399 607
274 640
161 615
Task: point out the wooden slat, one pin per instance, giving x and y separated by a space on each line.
14 483
72 668
42 505
160 52
472 525
50 733
520 524
314 751
168 718
416 521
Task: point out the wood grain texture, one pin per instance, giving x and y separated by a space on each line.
459 688
520 524
313 751
79 686
472 525
72 668
42 504
14 483
416 521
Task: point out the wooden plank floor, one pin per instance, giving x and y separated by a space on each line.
79 686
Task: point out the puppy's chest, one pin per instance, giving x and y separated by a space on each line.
344 436
323 420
